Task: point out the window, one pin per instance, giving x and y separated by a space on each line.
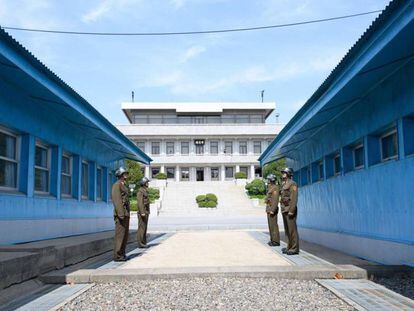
184 119
257 147
155 148
213 119
243 147
358 155
337 164
227 119
155 119
99 182
170 172
185 147
85 180
229 172
213 147
199 149
185 173
169 119
154 171
42 169
8 161
256 119
242 118
140 119
389 146
66 182
141 145
110 181
170 148
214 173
228 147
320 171
244 169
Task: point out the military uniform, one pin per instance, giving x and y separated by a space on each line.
143 208
120 199
272 201
288 200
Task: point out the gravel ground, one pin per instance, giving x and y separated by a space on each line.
209 294
401 284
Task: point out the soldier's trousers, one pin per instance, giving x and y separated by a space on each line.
142 229
273 228
121 236
291 233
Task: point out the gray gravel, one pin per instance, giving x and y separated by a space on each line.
401 284
209 294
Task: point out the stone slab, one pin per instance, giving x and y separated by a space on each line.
15 267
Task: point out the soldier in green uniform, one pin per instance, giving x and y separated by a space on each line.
288 200
120 199
143 203
272 207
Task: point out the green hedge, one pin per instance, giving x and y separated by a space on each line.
161 176
240 175
208 200
256 187
153 195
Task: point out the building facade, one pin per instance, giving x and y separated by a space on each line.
57 154
352 147
200 141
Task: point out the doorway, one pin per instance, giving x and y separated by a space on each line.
200 174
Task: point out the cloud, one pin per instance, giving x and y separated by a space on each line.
106 7
192 52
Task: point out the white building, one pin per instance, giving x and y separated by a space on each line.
200 141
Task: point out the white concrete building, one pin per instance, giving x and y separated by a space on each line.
200 141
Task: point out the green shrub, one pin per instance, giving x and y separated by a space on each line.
211 197
200 198
153 194
161 176
211 204
257 186
202 204
240 175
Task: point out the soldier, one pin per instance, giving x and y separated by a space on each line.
272 202
143 212
120 199
289 199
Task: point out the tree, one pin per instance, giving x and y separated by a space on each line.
274 168
135 174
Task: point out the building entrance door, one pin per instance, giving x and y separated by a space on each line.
200 174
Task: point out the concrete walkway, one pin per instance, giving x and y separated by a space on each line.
208 249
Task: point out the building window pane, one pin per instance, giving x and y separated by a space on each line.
66 182
185 147
154 171
213 120
99 177
243 147
257 147
214 147
155 119
320 171
242 118
256 119
227 119
389 146
171 172
229 172
42 169
184 119
170 148
8 161
185 173
228 147
244 169
199 149
337 164
141 145
155 148
169 119
85 180
358 157
214 173
140 119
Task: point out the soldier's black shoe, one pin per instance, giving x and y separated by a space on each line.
292 253
273 243
143 246
120 259
284 250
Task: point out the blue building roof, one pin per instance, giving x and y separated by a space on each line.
384 47
46 89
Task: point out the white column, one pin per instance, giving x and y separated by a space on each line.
207 173
223 173
147 171
162 170
237 168
177 173
251 171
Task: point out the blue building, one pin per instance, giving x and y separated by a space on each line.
57 153
352 146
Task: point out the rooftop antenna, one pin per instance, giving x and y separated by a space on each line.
133 96
277 117
262 94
